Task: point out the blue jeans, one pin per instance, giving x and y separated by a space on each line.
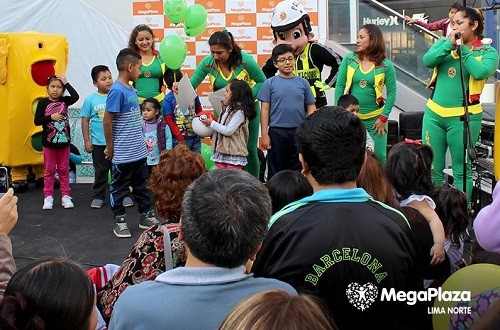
133 174
283 155
192 142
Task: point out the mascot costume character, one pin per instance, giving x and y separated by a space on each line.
291 25
27 59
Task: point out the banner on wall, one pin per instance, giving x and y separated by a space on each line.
248 21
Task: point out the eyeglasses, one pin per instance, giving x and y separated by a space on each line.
288 59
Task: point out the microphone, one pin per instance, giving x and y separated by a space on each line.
458 38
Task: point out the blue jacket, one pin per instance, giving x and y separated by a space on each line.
187 298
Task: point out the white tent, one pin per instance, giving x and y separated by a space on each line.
93 38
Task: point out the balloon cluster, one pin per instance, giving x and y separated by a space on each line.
173 48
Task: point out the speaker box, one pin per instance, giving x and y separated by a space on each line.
392 133
410 125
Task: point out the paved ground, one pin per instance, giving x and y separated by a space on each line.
82 234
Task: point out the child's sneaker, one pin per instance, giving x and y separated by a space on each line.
121 230
128 202
148 219
48 203
96 203
66 202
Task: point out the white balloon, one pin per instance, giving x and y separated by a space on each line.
200 129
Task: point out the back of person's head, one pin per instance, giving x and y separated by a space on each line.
372 178
242 98
451 207
48 294
347 100
280 50
331 141
126 57
176 170
287 186
408 168
224 217
225 39
170 76
94 73
278 310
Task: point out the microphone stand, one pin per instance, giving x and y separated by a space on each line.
469 151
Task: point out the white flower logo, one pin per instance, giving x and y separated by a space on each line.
361 296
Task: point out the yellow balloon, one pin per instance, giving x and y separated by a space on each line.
475 278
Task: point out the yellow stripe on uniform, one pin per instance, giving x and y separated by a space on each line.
370 115
453 111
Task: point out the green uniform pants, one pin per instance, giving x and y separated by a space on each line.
443 132
253 166
380 142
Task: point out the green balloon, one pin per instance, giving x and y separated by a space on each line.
175 10
173 51
196 15
195 31
206 153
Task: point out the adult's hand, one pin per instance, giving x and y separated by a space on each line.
8 212
88 146
379 127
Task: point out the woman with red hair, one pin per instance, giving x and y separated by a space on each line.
177 169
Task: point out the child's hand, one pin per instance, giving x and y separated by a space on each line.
59 117
438 254
62 78
409 20
175 88
206 120
108 153
265 142
88 146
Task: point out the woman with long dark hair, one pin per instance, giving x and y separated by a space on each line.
226 63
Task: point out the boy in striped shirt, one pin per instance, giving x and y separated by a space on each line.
125 145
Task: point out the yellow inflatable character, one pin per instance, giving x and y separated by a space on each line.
27 59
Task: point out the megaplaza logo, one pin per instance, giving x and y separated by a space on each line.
361 296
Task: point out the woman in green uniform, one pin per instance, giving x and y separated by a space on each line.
227 62
150 82
442 127
364 73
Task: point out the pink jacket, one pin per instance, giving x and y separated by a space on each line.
442 25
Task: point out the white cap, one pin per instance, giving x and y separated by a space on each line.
287 14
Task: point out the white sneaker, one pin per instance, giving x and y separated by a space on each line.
66 202
48 203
